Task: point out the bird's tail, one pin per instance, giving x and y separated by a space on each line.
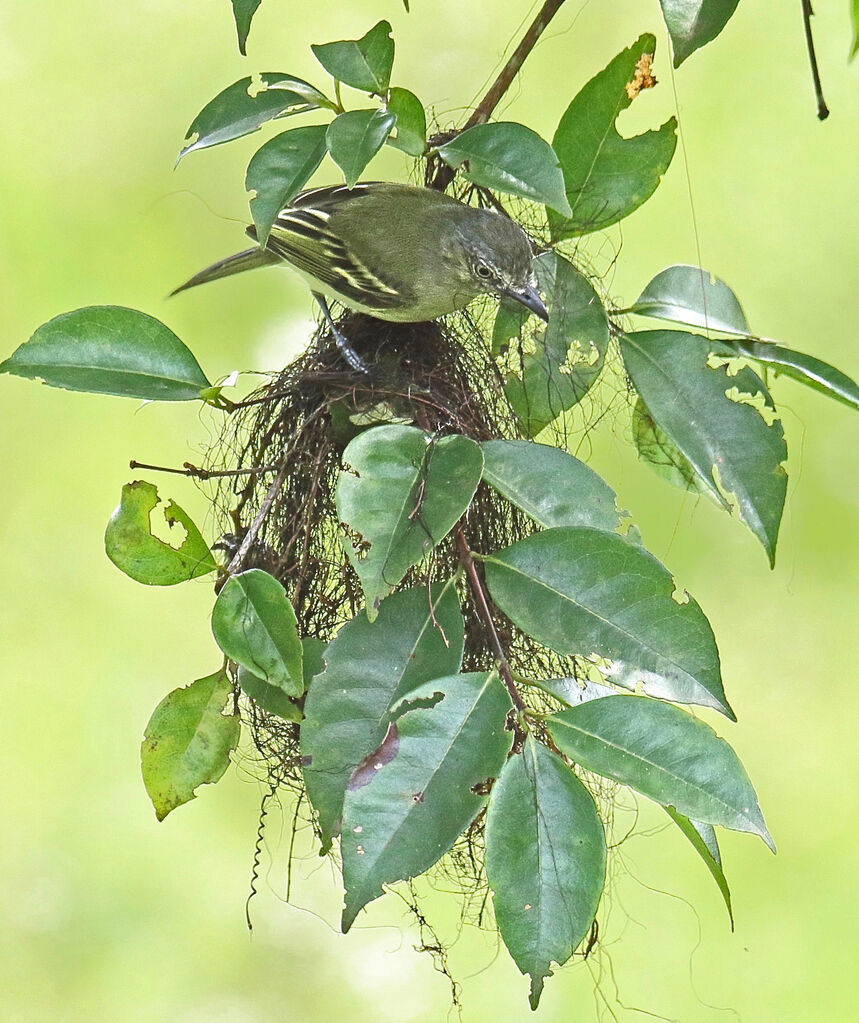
236 264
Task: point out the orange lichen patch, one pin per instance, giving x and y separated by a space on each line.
642 78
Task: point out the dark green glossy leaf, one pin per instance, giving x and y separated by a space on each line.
188 742
269 698
694 23
665 458
608 176
401 494
236 112
686 294
664 753
554 488
703 840
411 134
369 668
689 401
243 12
363 63
313 663
108 349
583 591
545 860
806 369
254 624
279 170
131 546
569 352
511 158
408 801
354 138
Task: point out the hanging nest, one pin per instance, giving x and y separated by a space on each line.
292 432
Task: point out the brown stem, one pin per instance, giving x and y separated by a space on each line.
254 528
807 14
479 594
483 111
203 474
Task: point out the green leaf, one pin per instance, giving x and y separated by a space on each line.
689 401
108 349
687 294
703 840
408 801
354 138
313 658
586 592
132 547
279 170
188 742
404 493
572 692
554 488
364 63
607 176
855 48
269 698
236 112
254 624
510 318
664 753
665 458
545 860
569 353
243 12
411 134
511 158
368 668
694 23
806 369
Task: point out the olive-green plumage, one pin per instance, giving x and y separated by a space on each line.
396 252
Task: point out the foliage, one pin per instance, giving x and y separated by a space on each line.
403 749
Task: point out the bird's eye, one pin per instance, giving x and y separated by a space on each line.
482 270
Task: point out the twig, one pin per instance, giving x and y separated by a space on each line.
479 594
483 111
256 525
807 15
203 474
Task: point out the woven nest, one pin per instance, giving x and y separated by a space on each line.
438 376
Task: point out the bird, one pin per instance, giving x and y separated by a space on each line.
393 251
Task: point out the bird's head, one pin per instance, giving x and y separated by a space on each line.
492 254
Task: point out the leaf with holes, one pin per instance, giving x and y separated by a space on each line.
607 176
417 636
401 493
587 592
107 349
511 158
253 622
569 351
664 458
554 488
694 23
407 802
354 138
132 547
545 860
665 754
689 402
188 742
364 63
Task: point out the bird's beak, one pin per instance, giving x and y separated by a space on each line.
530 298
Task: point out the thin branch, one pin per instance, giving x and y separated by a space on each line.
807 15
483 111
259 519
202 474
479 594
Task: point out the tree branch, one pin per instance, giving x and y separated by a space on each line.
483 111
807 14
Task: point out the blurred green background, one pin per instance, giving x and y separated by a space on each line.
108 915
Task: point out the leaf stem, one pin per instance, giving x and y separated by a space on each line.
807 14
483 111
479 593
199 473
254 528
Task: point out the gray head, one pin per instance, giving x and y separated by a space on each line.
491 253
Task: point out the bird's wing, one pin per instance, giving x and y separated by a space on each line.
301 235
